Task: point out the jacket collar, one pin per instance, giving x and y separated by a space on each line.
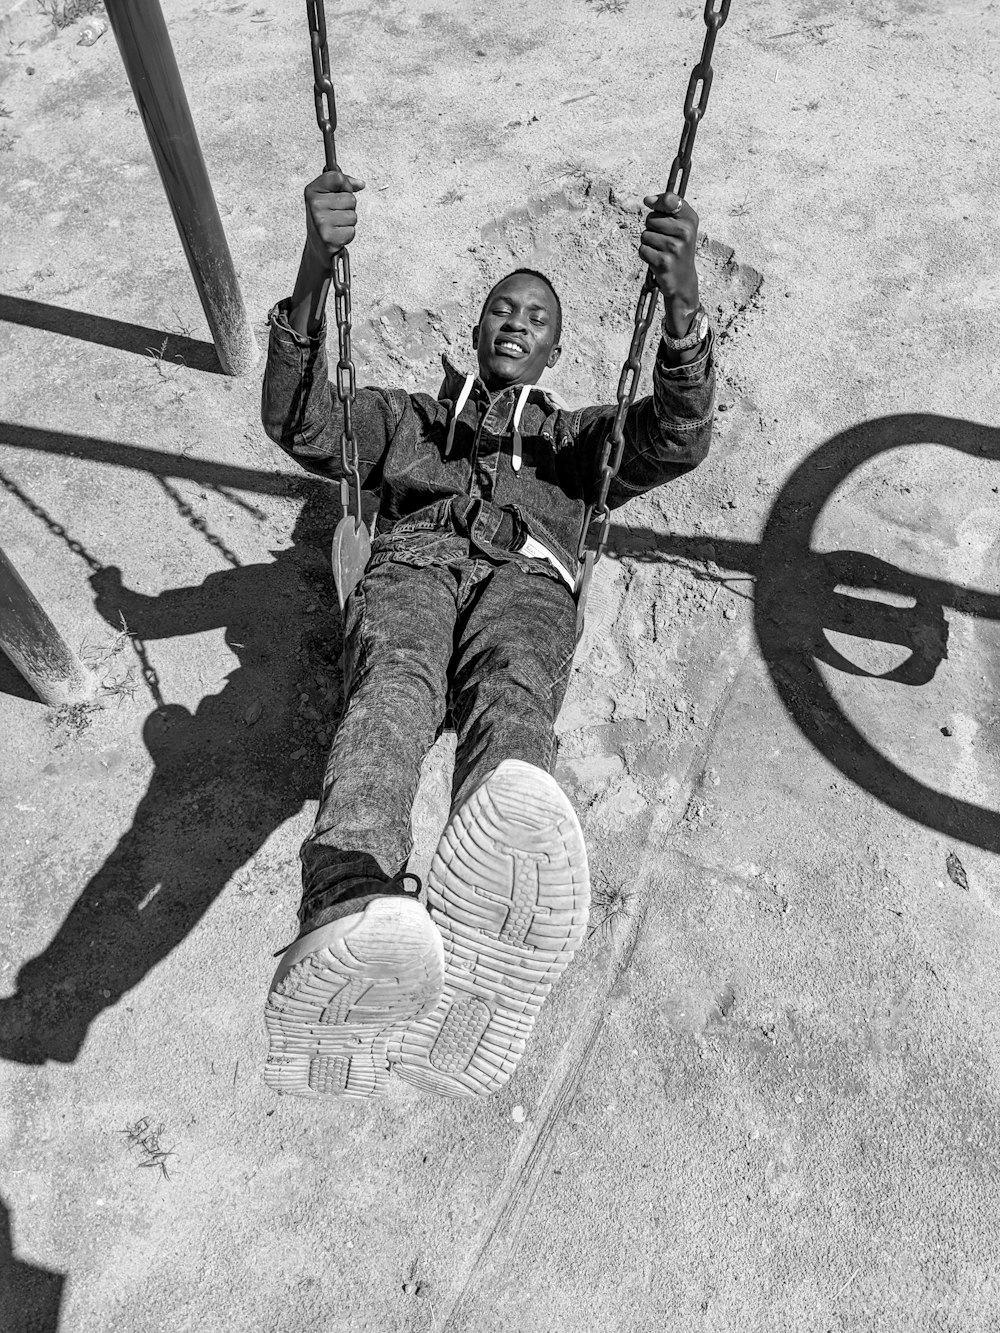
454 382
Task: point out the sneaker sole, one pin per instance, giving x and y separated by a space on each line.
340 991
509 891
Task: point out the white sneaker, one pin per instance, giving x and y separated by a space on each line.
509 891
340 993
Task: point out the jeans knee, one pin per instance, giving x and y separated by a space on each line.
391 688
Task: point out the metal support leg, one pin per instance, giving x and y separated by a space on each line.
35 646
144 42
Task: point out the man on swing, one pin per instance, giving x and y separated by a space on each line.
468 598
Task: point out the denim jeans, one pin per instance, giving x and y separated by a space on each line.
434 625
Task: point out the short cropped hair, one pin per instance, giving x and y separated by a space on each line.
534 273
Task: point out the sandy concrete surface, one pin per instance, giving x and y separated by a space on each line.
764 1097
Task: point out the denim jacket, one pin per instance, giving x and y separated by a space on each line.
517 461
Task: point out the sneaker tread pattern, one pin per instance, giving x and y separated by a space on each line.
509 892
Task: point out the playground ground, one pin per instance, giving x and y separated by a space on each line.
764 1099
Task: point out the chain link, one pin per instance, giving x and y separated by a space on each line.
55 528
326 103
198 523
597 521
326 119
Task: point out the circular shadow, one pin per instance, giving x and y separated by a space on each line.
797 600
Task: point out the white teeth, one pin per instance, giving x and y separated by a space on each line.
513 346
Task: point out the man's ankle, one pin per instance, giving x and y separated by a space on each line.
320 908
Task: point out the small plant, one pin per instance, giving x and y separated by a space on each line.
183 327
146 1141
166 371
96 655
157 354
612 903
99 658
121 687
63 13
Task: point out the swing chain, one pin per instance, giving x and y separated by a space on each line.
326 105
346 385
645 310
702 74
326 119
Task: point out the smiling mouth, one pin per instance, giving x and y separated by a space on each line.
506 347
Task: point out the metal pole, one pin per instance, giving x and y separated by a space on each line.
144 42
35 646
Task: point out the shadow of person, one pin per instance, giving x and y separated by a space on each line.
30 1297
225 777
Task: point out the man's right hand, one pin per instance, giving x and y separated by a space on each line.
331 214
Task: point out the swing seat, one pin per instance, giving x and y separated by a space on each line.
352 547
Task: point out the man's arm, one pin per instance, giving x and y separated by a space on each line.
299 407
668 432
174 611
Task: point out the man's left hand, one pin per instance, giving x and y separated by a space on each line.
667 245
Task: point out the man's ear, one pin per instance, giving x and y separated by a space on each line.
554 356
475 338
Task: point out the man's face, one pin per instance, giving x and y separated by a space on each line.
516 336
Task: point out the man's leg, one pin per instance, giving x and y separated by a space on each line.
511 668
368 957
398 640
509 885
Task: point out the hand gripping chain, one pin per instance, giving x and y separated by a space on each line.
598 516
326 119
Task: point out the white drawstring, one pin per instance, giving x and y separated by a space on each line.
462 399
515 455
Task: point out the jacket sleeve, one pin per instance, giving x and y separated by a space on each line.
301 412
667 433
